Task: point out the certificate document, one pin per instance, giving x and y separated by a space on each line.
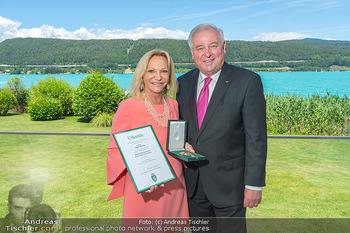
144 158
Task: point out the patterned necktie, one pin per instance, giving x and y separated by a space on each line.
202 103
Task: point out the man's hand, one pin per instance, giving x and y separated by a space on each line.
189 147
252 198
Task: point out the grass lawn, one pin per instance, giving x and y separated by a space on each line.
305 177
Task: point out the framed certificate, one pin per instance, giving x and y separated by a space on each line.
176 142
144 158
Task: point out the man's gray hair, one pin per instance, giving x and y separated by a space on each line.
203 27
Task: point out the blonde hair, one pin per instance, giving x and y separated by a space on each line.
138 85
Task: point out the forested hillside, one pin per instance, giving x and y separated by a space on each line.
23 54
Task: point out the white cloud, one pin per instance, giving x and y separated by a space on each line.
278 36
10 29
7 28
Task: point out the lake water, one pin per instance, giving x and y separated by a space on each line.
279 83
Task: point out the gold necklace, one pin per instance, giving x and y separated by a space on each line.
160 119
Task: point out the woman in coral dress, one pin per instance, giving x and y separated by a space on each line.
153 78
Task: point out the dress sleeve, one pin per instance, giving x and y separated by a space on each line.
116 169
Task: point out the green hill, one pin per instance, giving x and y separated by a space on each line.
296 55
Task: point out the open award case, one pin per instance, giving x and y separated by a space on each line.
176 142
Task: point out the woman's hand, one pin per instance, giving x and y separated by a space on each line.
154 188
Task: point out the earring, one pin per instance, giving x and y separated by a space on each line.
142 86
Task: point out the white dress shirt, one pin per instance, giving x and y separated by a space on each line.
211 85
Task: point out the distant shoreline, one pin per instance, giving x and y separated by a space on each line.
279 83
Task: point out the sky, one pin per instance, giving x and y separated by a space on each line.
248 20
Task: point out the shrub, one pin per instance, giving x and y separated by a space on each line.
42 109
96 94
7 101
16 86
312 115
102 120
59 89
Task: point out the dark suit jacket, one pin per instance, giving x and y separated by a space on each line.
232 137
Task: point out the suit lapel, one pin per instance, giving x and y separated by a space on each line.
220 89
193 97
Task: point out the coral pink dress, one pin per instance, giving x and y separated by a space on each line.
169 201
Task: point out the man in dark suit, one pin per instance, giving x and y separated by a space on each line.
230 131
